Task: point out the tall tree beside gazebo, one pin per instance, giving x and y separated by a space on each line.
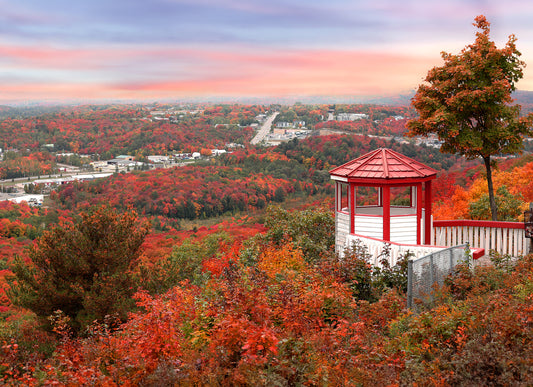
467 102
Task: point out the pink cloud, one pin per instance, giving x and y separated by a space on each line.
179 72
295 72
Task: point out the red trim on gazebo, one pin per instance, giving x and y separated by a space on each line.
383 164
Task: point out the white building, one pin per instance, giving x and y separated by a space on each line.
351 116
158 159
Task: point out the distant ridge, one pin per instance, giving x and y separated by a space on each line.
5 109
522 97
395 100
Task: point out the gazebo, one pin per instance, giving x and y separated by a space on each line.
383 195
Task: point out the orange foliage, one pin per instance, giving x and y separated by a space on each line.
286 260
518 181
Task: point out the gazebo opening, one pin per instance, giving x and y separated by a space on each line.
369 199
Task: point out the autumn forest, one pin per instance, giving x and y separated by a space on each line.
221 269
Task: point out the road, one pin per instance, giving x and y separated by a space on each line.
37 178
264 130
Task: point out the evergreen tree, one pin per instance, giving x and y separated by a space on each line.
83 269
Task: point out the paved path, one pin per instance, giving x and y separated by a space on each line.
264 130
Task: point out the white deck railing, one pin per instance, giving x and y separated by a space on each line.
503 237
482 236
376 247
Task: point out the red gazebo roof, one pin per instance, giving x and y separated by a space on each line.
383 165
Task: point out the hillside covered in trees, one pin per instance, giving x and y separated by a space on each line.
231 276
279 308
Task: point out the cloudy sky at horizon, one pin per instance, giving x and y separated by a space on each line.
59 50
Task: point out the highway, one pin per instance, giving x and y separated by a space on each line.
264 130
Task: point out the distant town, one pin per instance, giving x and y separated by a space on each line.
272 127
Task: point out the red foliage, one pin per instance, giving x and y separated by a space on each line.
181 192
89 129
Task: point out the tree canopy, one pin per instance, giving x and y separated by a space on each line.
83 269
467 102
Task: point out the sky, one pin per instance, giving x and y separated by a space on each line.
135 50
